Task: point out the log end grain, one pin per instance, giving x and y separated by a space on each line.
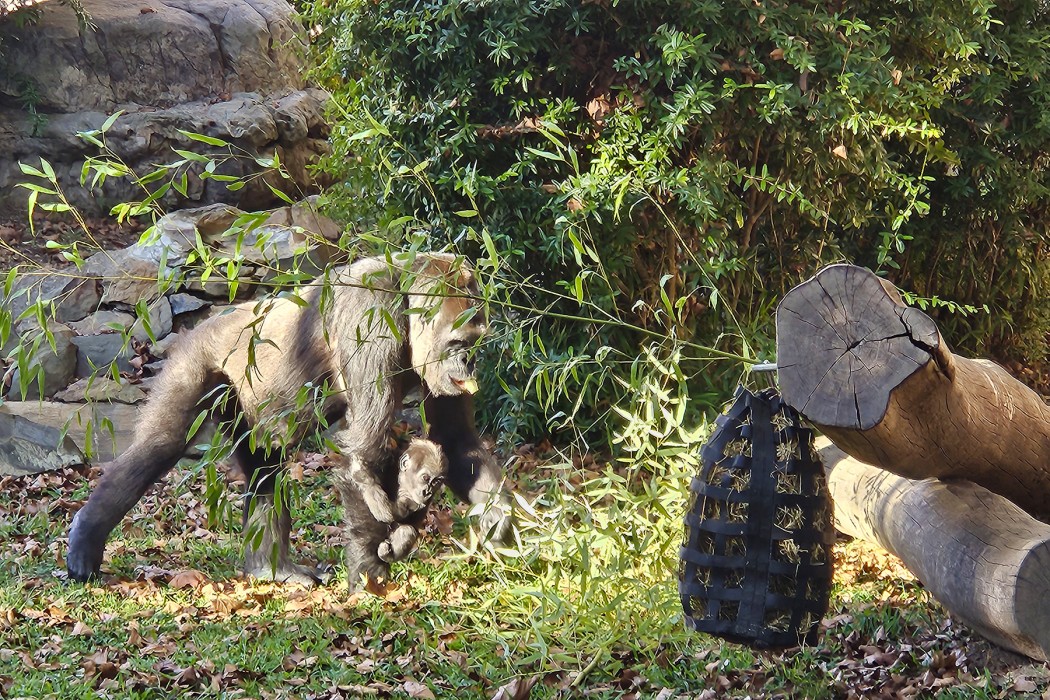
844 343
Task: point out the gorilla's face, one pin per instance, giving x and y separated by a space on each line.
422 474
445 343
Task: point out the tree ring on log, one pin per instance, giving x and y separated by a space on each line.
845 340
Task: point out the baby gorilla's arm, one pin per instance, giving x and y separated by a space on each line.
400 543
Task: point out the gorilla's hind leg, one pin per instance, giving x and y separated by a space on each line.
160 440
267 520
123 483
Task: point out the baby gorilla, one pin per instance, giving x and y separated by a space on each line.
411 486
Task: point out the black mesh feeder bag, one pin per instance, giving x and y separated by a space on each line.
756 563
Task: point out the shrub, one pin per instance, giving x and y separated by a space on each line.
656 175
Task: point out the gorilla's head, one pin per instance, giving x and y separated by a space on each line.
422 471
446 324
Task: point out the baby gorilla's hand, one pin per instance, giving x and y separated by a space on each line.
400 543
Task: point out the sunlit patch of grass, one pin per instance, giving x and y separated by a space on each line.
586 602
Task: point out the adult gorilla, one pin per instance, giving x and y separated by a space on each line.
380 328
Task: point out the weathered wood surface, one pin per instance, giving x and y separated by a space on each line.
878 379
982 557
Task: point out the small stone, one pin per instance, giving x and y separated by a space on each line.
100 389
184 303
160 321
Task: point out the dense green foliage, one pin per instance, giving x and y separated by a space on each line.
669 169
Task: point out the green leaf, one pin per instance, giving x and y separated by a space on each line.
280 195
29 170
106 125
545 154
210 140
464 317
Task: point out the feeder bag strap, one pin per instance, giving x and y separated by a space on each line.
760 530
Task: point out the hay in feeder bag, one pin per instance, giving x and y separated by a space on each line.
756 564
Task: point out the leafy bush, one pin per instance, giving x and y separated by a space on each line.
668 170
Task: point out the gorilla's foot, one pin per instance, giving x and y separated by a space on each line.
287 573
497 522
374 578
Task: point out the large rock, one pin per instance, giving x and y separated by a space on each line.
27 447
94 353
160 319
79 421
100 389
161 52
228 69
104 321
74 296
58 363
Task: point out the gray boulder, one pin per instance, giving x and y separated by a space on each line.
160 321
80 421
166 53
228 69
73 294
105 321
58 364
94 353
127 276
27 447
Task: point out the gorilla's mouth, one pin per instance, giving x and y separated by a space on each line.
467 386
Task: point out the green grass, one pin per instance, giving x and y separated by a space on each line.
587 605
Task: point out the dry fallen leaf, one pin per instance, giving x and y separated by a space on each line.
416 689
1024 685
81 630
840 151
517 689
188 578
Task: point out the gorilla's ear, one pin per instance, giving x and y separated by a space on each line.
404 461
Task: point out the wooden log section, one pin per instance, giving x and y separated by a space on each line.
878 379
982 557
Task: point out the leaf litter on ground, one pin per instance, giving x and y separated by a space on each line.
182 623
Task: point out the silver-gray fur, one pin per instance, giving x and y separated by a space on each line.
382 329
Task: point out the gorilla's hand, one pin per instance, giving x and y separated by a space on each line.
400 544
84 556
497 522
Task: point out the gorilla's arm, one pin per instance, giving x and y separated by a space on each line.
362 444
473 474
368 331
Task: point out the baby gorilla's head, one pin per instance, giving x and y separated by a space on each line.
422 471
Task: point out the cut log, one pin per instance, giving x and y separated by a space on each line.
982 557
878 379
